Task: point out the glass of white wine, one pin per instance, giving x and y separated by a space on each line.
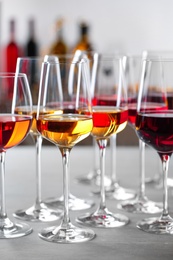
64 117
75 203
39 211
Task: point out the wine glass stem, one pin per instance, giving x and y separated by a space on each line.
102 147
96 156
165 163
142 169
113 144
38 170
2 186
65 160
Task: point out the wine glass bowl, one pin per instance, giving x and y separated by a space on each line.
64 118
15 93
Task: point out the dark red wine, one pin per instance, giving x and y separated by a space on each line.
155 128
150 107
170 100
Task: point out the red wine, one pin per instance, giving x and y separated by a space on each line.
155 128
152 106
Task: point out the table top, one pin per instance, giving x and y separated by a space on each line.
123 243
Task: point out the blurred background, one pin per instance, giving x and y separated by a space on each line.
129 26
37 27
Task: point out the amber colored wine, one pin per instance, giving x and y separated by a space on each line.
13 129
65 130
23 111
155 128
108 121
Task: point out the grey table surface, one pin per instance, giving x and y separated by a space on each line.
123 243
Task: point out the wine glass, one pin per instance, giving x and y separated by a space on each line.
94 173
110 113
31 66
75 203
115 190
15 93
140 203
64 118
154 126
157 179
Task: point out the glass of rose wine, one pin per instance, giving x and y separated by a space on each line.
31 66
110 114
94 174
64 99
15 93
154 126
140 203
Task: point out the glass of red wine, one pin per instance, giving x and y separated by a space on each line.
64 117
15 93
157 178
154 126
110 114
141 203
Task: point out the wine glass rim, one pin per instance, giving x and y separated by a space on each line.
159 58
31 58
68 61
11 75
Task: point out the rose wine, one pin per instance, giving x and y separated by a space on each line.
13 129
108 121
155 128
65 130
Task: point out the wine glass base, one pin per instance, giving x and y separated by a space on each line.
121 193
156 225
107 181
70 235
89 178
74 203
141 206
118 193
103 219
43 214
15 231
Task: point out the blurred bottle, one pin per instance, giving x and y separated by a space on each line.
84 43
31 45
59 47
12 49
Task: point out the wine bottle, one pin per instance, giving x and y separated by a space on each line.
59 47
31 45
12 49
84 43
